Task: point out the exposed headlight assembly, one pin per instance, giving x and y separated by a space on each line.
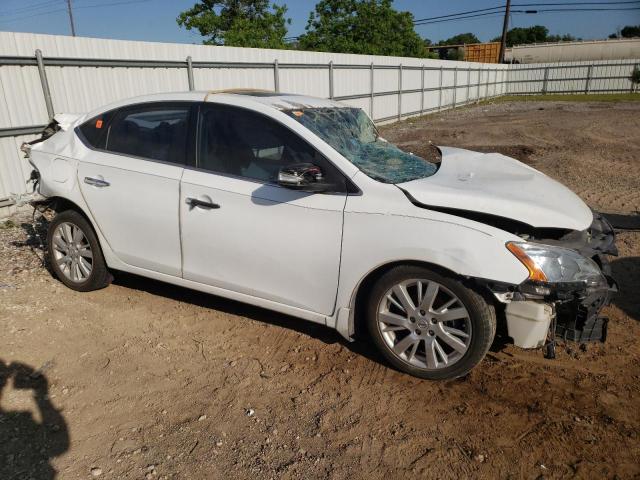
552 264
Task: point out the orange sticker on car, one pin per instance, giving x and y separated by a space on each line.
99 123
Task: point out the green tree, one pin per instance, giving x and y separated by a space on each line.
371 27
630 31
635 79
238 23
461 39
561 38
520 35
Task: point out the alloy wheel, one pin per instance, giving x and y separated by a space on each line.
72 252
424 324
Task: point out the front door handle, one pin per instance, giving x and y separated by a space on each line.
96 182
194 202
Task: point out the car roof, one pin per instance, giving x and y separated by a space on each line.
243 97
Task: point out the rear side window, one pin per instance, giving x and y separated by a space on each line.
94 131
156 132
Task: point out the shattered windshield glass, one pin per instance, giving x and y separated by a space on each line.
353 134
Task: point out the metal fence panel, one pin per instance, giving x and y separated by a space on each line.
85 73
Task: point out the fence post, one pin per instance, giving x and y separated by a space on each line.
545 80
276 76
422 91
468 84
190 73
331 79
400 92
588 82
371 88
486 85
633 85
440 90
455 86
45 85
478 85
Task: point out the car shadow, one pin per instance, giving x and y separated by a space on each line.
27 446
318 331
626 271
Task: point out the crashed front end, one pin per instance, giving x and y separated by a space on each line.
569 284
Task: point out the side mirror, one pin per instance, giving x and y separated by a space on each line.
306 177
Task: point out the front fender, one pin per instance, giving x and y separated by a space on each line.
374 240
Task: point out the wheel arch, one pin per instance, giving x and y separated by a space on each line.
357 304
61 204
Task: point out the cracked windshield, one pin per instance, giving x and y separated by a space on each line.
353 134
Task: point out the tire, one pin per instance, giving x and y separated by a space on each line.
449 311
76 258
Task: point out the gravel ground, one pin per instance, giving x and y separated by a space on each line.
145 380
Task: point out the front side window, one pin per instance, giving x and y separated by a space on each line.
354 136
243 143
154 132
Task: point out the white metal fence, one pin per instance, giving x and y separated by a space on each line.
41 75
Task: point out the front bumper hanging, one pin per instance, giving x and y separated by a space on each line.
579 319
574 310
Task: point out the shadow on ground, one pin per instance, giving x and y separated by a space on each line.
626 271
232 307
28 443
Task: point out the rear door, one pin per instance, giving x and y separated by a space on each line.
250 235
131 181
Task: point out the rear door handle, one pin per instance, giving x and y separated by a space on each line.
96 182
194 202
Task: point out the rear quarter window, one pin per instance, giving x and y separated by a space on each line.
94 131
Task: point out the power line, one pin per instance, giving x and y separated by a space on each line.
571 3
460 13
501 7
31 7
486 14
586 9
529 12
129 2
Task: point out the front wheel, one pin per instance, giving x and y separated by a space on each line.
75 254
429 325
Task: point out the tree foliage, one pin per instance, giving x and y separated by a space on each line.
534 34
630 31
635 77
239 23
460 39
371 27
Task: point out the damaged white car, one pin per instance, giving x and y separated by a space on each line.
296 204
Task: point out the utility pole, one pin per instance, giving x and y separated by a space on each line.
73 27
505 27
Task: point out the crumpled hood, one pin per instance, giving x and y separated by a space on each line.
495 184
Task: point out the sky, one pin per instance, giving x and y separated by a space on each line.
154 20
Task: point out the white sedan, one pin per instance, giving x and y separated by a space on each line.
296 204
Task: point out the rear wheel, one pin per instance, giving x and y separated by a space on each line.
429 325
75 254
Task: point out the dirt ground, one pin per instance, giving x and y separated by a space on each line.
145 380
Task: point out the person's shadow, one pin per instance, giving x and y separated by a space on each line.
26 445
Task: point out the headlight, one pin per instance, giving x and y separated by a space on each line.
551 264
